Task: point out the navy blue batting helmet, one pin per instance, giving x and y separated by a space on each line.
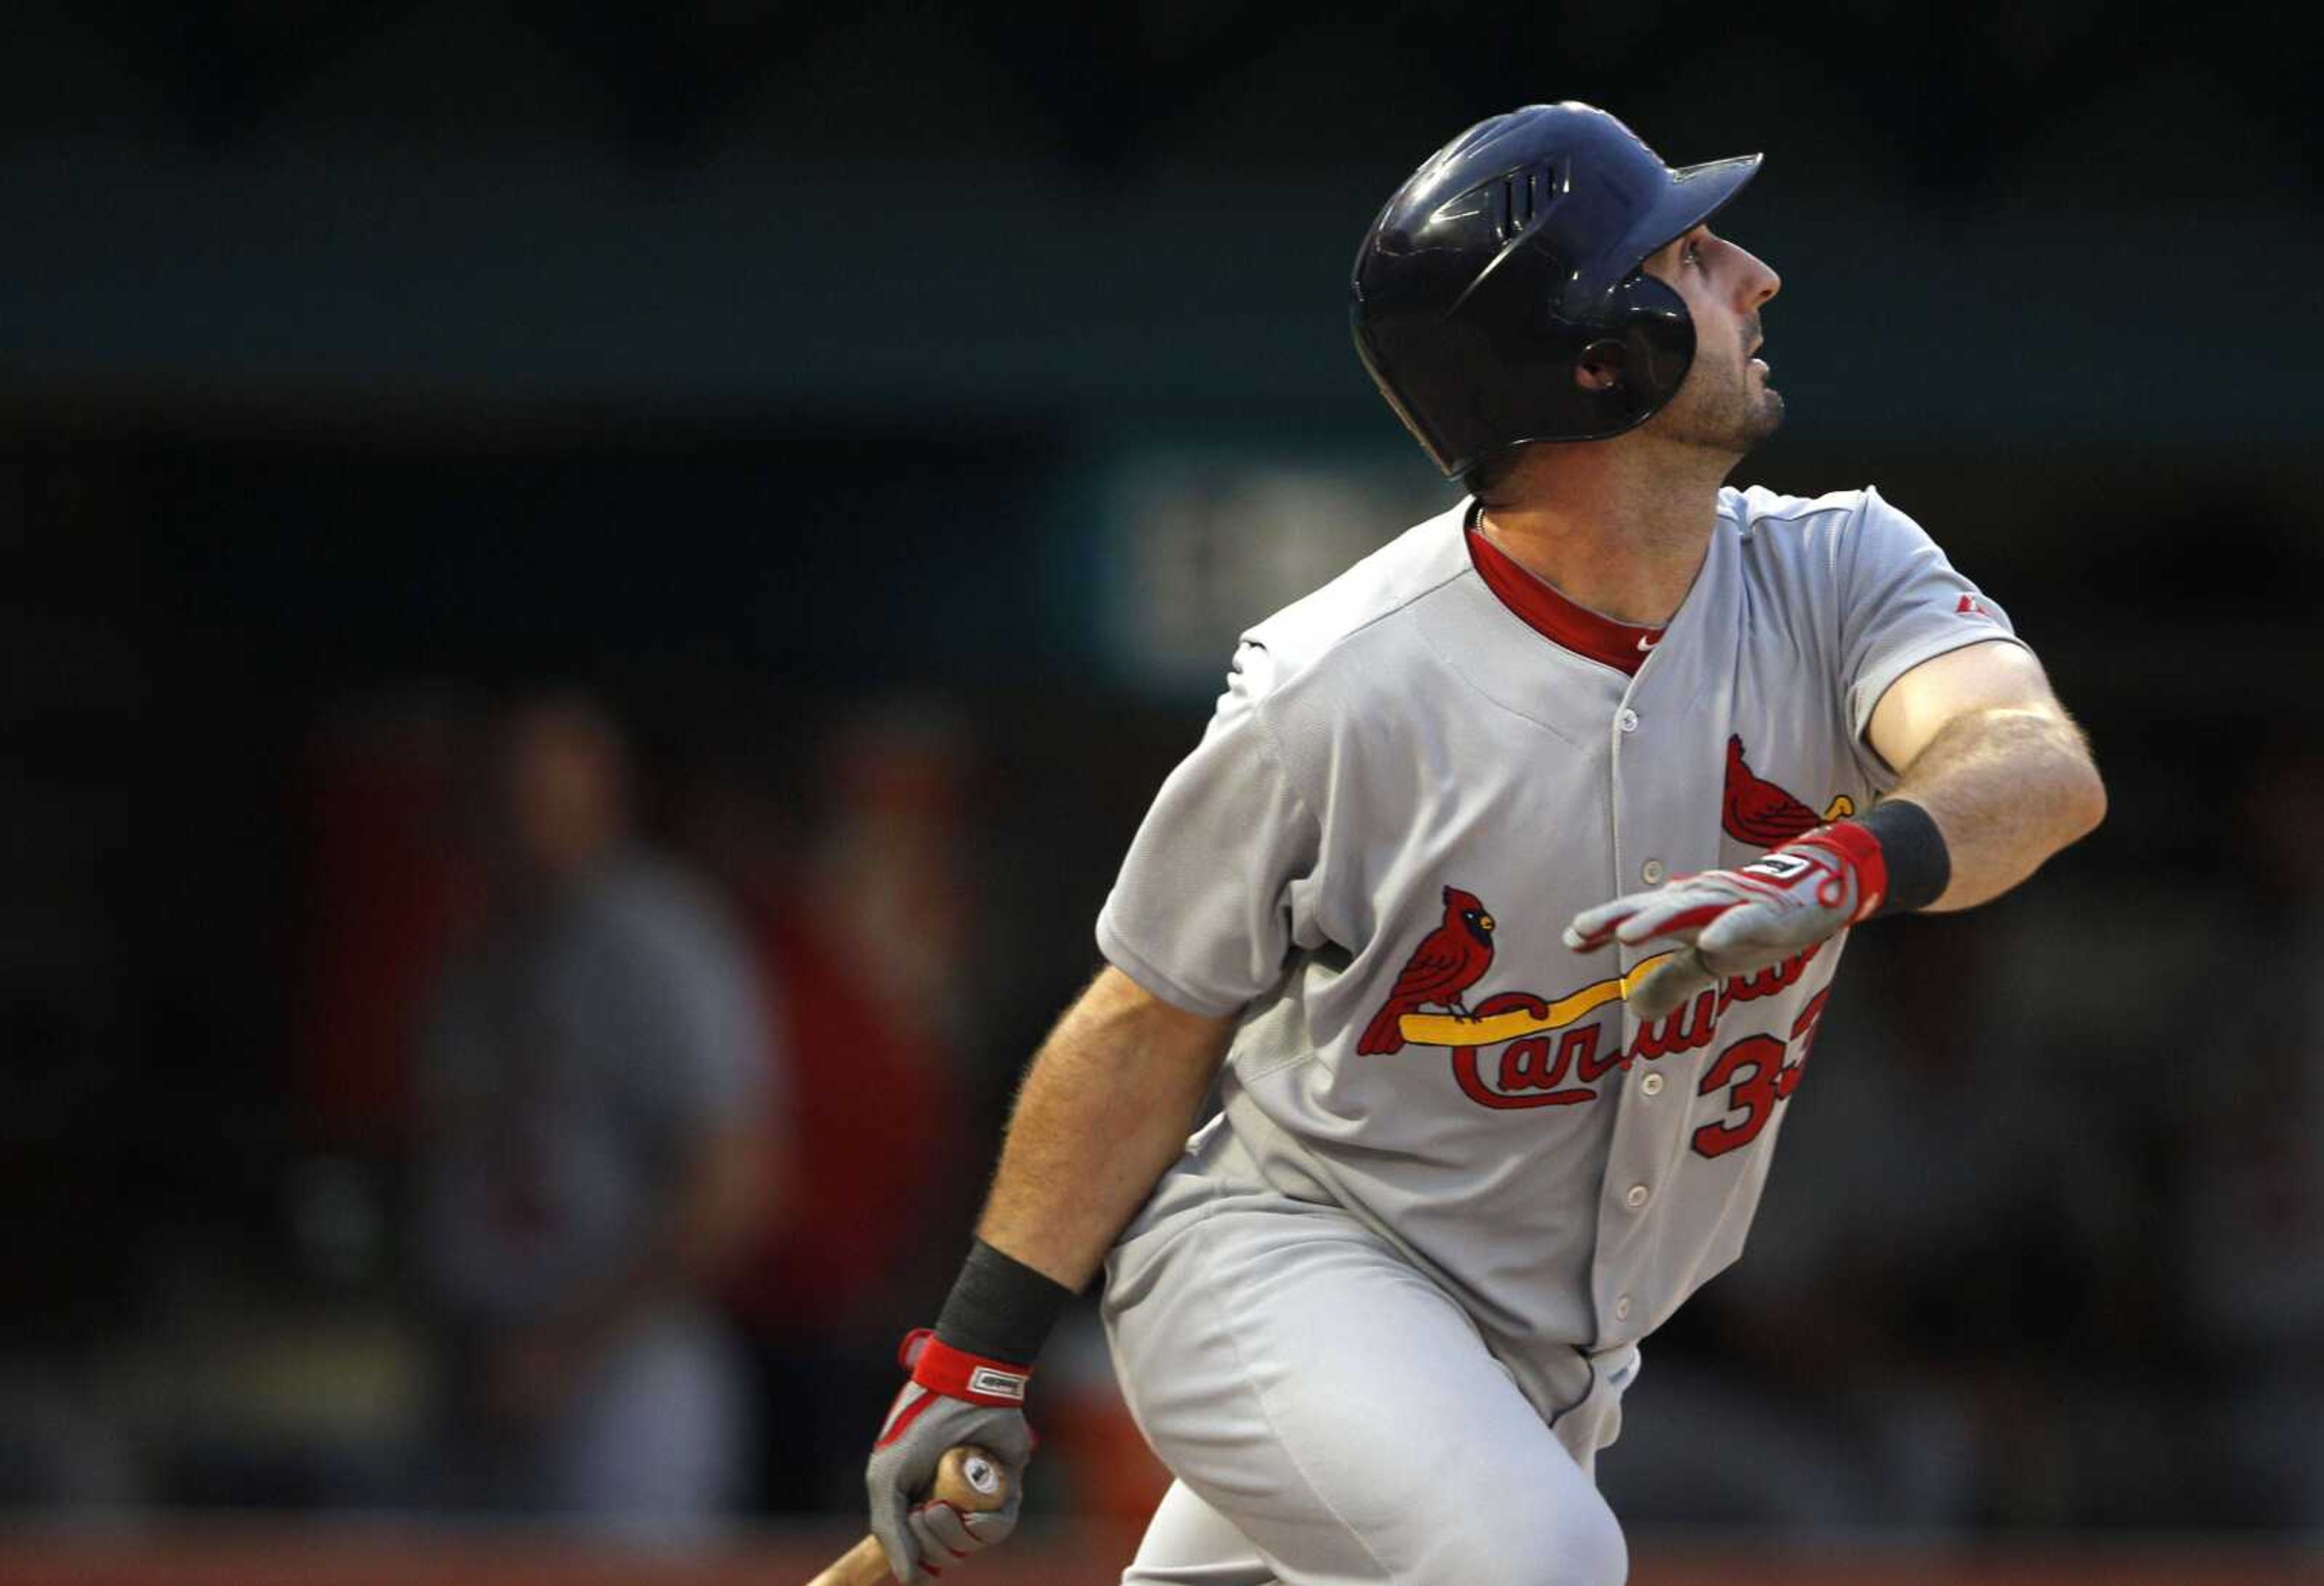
1511 257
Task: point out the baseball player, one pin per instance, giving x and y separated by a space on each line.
1508 881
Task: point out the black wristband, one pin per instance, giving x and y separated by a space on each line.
1919 866
999 1307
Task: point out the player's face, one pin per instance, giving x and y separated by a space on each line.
1725 404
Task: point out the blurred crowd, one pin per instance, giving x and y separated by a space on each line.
640 1100
632 1119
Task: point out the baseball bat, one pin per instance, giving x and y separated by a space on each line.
967 1478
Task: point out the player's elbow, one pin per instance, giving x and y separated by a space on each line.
2089 804
2082 795
2055 760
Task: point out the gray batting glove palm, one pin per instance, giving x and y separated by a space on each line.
1738 922
954 1397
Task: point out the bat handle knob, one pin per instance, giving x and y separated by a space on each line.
980 1473
969 1478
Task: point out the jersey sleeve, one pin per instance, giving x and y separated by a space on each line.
1902 602
1203 914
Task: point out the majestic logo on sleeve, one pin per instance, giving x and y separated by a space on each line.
1757 811
1449 960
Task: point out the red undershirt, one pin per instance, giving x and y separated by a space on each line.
1619 645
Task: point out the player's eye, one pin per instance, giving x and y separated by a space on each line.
1691 253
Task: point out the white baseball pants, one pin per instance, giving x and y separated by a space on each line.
1333 1417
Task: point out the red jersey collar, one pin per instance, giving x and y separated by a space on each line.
1619 645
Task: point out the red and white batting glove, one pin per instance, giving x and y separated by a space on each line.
953 1397
1736 922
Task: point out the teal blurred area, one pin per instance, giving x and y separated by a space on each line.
1205 302
2019 227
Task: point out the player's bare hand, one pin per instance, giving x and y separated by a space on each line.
1736 922
952 1398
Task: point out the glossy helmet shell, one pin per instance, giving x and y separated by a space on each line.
1508 255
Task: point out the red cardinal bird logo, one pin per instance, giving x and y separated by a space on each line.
1760 812
1449 960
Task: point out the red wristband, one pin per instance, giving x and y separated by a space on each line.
1859 849
957 1374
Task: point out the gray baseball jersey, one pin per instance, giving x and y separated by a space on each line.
1416 777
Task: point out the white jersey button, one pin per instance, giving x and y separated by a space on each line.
1651 1084
1652 872
1636 1196
1628 720
1622 1309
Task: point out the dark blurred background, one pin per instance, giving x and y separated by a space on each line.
710 520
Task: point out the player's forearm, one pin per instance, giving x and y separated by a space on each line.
1103 1111
2008 788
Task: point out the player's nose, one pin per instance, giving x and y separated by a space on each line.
1756 281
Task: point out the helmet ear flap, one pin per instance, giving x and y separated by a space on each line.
1659 336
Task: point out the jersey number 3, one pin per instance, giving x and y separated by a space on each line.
1758 1079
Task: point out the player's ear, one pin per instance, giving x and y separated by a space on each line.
1600 367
